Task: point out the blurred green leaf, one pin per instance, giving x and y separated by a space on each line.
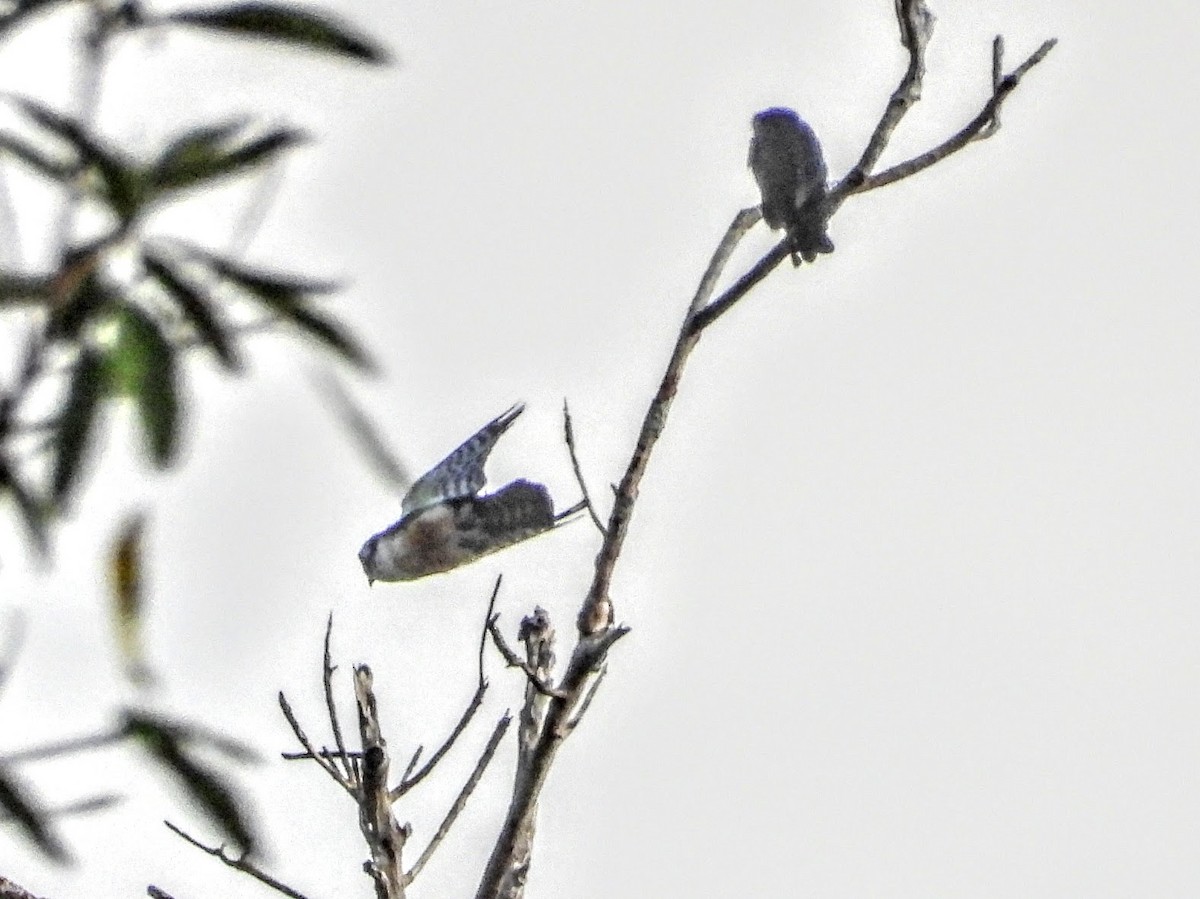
20 10
86 389
330 333
33 510
162 739
275 290
287 295
122 183
16 288
142 365
15 801
196 307
39 160
212 152
287 24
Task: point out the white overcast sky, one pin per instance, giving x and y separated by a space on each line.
913 576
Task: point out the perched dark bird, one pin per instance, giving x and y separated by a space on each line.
785 157
445 523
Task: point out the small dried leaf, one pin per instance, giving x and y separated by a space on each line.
125 581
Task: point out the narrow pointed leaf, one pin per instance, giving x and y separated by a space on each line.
287 295
274 290
123 184
196 308
21 10
143 362
196 145
300 27
75 425
329 332
37 159
210 153
23 810
33 510
126 584
201 784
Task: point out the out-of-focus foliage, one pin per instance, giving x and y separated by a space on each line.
114 317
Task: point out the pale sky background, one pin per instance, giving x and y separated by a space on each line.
913 577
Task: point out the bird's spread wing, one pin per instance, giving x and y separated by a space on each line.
516 512
460 474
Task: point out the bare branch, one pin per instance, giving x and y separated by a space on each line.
982 126
464 794
586 702
569 436
238 864
323 759
384 836
597 614
155 893
916 28
327 678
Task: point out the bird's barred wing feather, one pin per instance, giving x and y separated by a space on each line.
460 473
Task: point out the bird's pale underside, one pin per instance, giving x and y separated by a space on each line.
786 159
445 523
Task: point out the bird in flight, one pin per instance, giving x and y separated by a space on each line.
445 522
786 159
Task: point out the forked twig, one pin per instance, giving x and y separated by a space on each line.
238 864
410 780
569 436
327 679
324 759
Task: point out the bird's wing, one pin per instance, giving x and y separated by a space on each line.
461 472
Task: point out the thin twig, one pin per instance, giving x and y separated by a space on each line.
463 795
916 28
586 702
515 661
324 753
410 780
321 759
238 864
327 679
407 783
569 434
